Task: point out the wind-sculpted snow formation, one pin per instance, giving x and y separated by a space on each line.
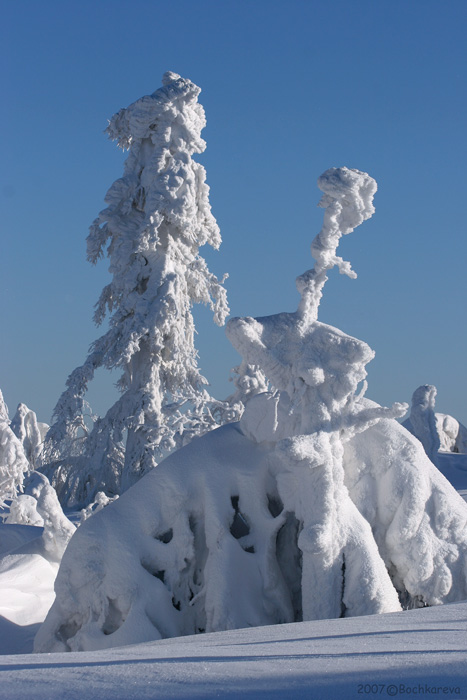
158 216
317 504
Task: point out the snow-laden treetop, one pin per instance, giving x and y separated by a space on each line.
162 200
143 118
348 202
318 366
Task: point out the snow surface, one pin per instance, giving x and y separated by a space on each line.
420 652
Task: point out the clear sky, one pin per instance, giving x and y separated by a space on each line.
290 88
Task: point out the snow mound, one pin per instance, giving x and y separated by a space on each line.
26 586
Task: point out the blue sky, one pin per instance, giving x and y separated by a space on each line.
290 88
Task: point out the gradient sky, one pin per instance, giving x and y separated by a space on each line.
290 88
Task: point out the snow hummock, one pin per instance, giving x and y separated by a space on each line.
27 576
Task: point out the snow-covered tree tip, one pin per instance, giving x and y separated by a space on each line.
169 77
142 118
348 202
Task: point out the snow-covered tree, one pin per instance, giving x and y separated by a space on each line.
436 431
317 504
13 461
157 217
30 432
422 421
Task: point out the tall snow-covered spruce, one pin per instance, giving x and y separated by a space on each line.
157 217
317 504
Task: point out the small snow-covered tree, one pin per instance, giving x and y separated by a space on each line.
436 431
157 217
30 432
422 421
13 461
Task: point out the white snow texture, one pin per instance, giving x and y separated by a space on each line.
317 504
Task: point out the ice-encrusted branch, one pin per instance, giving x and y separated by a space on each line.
348 201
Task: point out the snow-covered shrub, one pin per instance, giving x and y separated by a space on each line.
13 461
316 504
157 218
